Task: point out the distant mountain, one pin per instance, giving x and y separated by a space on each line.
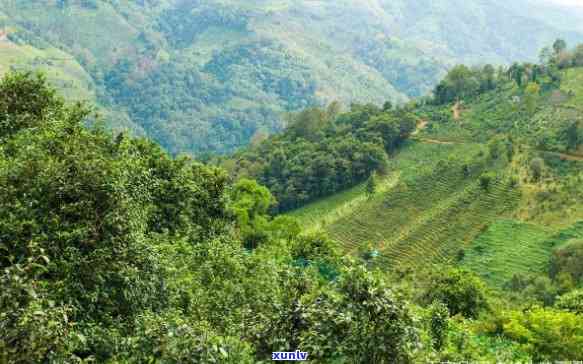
209 75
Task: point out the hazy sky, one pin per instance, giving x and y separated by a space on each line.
578 3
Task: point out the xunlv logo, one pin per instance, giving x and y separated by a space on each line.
292 355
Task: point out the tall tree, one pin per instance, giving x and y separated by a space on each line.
371 184
559 46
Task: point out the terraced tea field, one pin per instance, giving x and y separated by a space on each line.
429 206
510 247
432 206
414 158
428 220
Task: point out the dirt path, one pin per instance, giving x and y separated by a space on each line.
435 141
457 110
567 157
421 124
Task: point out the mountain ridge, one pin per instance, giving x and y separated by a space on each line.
209 75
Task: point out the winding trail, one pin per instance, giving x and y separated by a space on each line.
435 141
422 124
566 156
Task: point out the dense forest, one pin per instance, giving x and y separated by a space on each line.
209 76
114 251
324 151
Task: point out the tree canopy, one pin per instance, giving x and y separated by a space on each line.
323 151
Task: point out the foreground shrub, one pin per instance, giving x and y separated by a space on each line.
360 320
572 302
547 334
461 291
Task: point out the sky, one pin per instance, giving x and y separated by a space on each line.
577 3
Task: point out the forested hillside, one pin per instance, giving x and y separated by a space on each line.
228 181
210 75
517 126
490 182
112 251
324 151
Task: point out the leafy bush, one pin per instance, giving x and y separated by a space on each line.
547 334
567 259
26 101
374 324
486 180
439 324
81 199
572 301
537 166
33 328
80 219
313 247
250 203
171 338
461 291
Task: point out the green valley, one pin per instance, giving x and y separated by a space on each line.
441 229
491 188
238 182
210 75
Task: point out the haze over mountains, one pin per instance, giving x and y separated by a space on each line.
209 75
448 228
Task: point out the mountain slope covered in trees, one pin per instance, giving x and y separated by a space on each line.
209 75
490 181
112 251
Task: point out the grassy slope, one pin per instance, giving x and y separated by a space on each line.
511 247
556 200
573 85
429 211
66 74
573 81
102 32
429 216
433 213
320 212
412 159
497 112
61 68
